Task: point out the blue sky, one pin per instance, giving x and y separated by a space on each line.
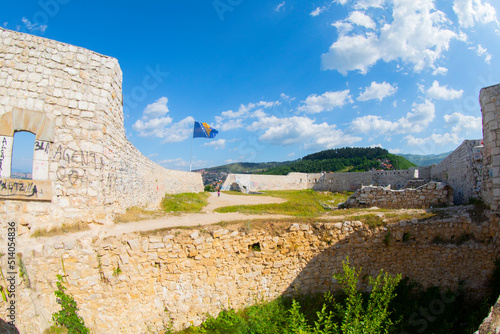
282 79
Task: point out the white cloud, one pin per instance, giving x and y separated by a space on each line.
179 131
418 34
461 125
365 4
417 120
281 5
155 123
325 102
290 154
438 139
470 12
154 119
318 10
438 92
361 19
217 144
179 162
230 120
151 127
301 130
33 27
395 150
440 71
480 51
157 109
376 145
377 91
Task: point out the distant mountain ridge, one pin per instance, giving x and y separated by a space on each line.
425 160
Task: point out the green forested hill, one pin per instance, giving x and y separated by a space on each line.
349 159
246 167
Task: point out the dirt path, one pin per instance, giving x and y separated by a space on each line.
188 219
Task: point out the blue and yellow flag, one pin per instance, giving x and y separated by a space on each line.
203 130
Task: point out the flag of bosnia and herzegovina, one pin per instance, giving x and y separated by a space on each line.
203 130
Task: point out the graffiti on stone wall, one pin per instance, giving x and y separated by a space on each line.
75 163
25 189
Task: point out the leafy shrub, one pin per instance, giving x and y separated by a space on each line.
68 316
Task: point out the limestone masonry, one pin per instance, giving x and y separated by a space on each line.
84 167
180 275
429 195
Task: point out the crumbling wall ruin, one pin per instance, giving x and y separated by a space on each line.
463 170
432 194
84 168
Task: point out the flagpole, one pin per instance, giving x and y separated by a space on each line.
191 155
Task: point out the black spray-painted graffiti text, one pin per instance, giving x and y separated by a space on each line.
80 158
17 188
42 146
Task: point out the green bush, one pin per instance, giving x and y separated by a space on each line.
68 317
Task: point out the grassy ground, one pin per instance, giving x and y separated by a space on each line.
186 202
300 203
135 214
81 226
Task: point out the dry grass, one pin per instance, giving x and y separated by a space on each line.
65 228
135 214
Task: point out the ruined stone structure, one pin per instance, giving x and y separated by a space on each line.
180 275
84 168
432 194
463 171
490 109
397 179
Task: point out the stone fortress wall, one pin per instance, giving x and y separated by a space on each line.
462 170
489 99
180 275
84 168
324 181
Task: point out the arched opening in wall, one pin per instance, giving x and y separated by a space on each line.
22 155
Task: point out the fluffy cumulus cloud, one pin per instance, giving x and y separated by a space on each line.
461 125
156 123
217 144
417 120
470 12
438 92
154 119
326 102
300 130
416 34
231 120
377 91
361 19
